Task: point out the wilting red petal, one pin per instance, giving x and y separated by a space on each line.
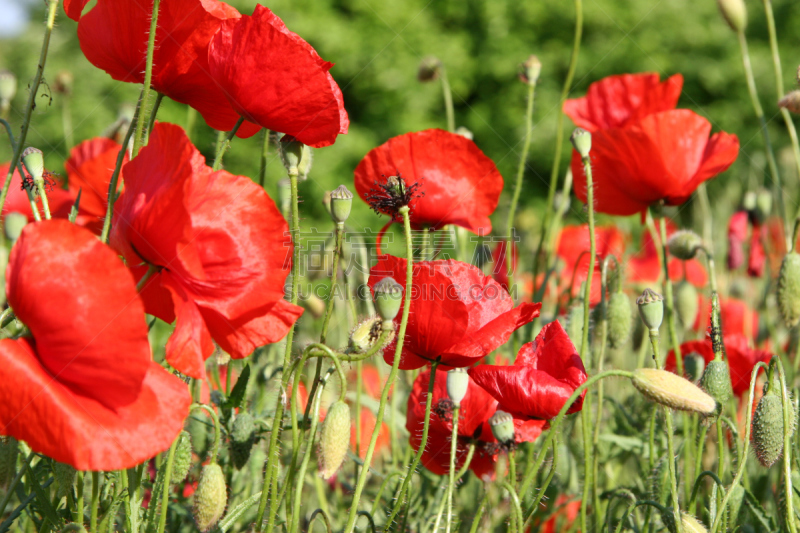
275 79
538 384
616 101
460 184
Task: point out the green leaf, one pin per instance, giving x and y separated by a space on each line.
764 520
237 394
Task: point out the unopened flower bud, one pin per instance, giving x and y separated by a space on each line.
33 159
341 203
210 498
693 367
620 319
8 87
686 303
429 69
767 433
791 101
182 460
684 244
63 83
285 196
582 141
464 132
651 309
502 425
243 436
735 13
9 448
65 478
314 304
749 201
574 328
306 160
672 391
291 154
716 381
763 205
14 224
388 298
457 385
789 289
529 70
334 439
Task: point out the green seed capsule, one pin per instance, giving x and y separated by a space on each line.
789 289
620 319
574 327
243 435
716 381
182 460
502 425
9 448
210 498
767 434
334 439
686 303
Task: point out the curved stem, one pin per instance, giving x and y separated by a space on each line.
217 432
479 513
225 144
162 518
698 463
148 78
516 505
544 486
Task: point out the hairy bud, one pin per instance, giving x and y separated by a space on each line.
334 439
210 498
735 13
620 319
243 435
182 460
686 303
716 381
672 391
789 289
767 435
684 244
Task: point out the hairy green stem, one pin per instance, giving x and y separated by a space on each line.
148 78
162 518
112 185
669 307
225 144
448 100
452 481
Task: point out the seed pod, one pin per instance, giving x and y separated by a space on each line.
367 333
34 162
182 460
457 385
574 327
334 439
684 244
686 303
65 478
529 70
341 204
672 391
9 447
210 498
582 141
502 425
651 309
735 13
620 319
388 298
767 435
716 381
789 289
243 435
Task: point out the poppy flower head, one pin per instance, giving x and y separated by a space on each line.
393 194
573 250
454 182
60 201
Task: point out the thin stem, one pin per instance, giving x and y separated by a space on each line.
223 147
543 488
698 462
515 505
788 431
95 501
451 483
448 100
599 416
217 430
262 167
479 513
162 519
669 307
148 78
152 120
401 334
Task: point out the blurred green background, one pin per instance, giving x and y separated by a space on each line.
378 45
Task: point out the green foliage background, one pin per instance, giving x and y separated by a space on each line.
377 47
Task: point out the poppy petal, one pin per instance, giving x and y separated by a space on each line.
190 344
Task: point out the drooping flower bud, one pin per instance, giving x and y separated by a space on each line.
672 391
693 367
341 203
582 141
502 425
791 101
210 498
651 309
716 381
334 439
243 436
684 244
33 159
14 224
767 434
8 87
620 318
735 13
182 460
65 478
457 385
574 326
9 448
529 70
686 303
789 289
291 154
429 69
388 298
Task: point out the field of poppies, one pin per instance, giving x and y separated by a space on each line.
203 328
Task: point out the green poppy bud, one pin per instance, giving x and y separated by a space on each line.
789 289
686 303
9 449
716 381
767 433
684 244
243 436
457 385
341 203
735 13
502 425
285 196
529 70
763 204
651 309
14 224
291 154
672 391
210 498
33 159
574 327
388 298
334 439
182 460
620 319
582 141
693 367
8 87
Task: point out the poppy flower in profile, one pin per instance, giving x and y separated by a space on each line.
59 200
544 375
643 150
573 250
447 178
218 245
275 79
113 36
458 315
740 356
644 267
89 169
83 390
475 410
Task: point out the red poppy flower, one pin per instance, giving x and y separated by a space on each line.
541 380
737 235
455 182
741 358
457 314
645 266
372 381
59 200
274 78
566 512
736 316
89 169
219 245
643 150
83 390
114 35
367 427
573 250
500 268
475 410
757 258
